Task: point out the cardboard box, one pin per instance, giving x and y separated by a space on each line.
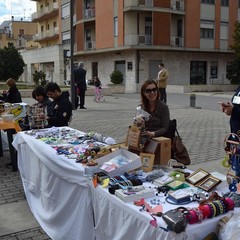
164 150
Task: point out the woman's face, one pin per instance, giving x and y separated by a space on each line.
40 98
151 92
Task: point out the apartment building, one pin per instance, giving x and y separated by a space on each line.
17 32
191 37
49 56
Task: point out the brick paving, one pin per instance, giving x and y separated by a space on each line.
203 132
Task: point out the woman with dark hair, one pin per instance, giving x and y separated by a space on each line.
40 96
158 124
12 95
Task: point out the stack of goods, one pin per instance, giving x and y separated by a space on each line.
37 116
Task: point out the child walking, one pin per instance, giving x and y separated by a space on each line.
98 89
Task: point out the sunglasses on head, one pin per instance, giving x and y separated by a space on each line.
150 90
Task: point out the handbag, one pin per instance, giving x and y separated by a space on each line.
176 219
179 151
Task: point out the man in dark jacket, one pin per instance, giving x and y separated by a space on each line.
62 107
80 81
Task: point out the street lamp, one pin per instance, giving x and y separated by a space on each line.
72 82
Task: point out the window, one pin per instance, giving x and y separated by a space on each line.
115 26
225 3
207 29
21 32
214 70
66 37
42 28
198 71
224 31
208 1
65 11
207 33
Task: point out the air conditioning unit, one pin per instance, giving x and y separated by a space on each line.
177 41
141 39
178 5
89 45
141 2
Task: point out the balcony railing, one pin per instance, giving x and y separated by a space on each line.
89 13
47 34
136 3
177 41
134 39
45 11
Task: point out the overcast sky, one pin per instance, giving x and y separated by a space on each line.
17 8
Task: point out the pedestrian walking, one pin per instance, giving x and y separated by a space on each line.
98 89
81 85
162 82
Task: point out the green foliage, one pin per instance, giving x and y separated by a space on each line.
233 72
116 77
11 63
39 77
236 38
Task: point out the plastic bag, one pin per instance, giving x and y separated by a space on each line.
141 117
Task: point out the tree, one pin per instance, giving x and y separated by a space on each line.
11 63
39 77
233 70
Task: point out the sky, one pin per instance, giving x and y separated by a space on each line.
17 8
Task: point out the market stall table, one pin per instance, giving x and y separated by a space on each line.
56 190
11 127
115 219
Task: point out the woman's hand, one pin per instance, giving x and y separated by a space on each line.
226 108
150 134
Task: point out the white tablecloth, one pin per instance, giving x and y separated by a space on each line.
56 190
67 206
116 220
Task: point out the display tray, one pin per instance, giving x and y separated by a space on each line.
115 163
134 194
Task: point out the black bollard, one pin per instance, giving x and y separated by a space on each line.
193 100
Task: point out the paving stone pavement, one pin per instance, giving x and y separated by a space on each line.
203 132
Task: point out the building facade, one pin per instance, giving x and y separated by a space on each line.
49 56
192 39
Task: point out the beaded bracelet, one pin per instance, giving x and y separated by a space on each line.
192 217
229 203
218 210
199 214
206 210
213 210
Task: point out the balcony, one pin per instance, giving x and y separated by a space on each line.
48 35
45 13
177 41
138 3
135 39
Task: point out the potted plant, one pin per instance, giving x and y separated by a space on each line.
116 77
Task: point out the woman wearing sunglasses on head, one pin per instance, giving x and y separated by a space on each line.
158 124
